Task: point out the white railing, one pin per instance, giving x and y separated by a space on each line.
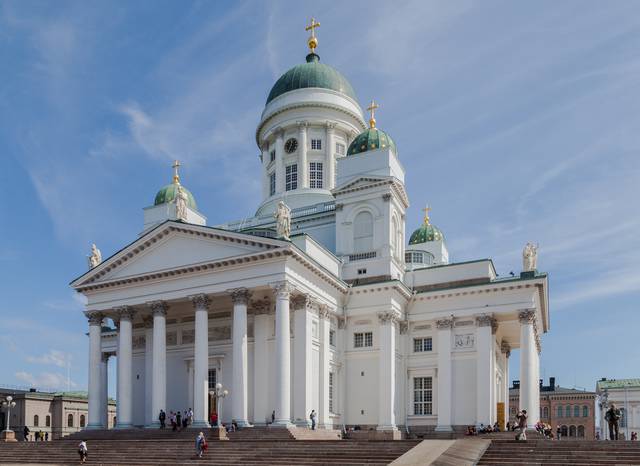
360 256
264 220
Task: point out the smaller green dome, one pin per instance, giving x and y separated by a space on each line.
371 139
168 193
426 233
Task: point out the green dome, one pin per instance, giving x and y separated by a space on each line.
371 139
426 233
168 194
311 74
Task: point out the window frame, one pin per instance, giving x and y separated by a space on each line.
332 337
363 339
291 177
36 420
425 345
422 396
316 175
70 420
331 391
341 149
316 144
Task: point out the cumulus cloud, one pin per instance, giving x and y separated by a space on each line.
52 358
45 380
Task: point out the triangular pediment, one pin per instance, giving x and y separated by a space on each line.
363 182
175 245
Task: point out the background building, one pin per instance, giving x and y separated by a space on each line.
573 410
59 414
625 393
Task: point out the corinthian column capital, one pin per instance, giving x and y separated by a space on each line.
444 324
125 312
158 308
240 295
527 316
200 301
282 289
94 318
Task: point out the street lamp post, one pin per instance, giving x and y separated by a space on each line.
8 435
220 393
604 398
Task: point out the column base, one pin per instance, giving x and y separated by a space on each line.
128 425
389 428
243 424
443 429
385 433
94 427
281 424
200 424
8 436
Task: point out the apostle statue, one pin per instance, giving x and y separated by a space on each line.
529 257
96 256
283 220
181 204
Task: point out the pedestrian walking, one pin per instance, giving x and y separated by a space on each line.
612 416
312 416
179 420
25 432
162 418
201 444
273 416
83 451
522 425
46 436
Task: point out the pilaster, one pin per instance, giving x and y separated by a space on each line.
239 395
387 371
125 358
201 361
95 373
444 374
283 354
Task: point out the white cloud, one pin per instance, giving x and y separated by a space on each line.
53 358
45 380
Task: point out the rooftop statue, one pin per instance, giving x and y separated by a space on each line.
95 258
181 204
529 257
283 220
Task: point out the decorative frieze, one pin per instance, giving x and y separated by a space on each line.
138 342
444 324
188 336
200 301
389 317
147 321
484 320
466 340
463 323
240 295
172 338
220 333
422 327
323 311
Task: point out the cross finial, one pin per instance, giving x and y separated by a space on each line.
312 41
372 109
426 211
176 176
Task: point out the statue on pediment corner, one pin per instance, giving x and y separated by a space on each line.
181 204
95 258
283 220
529 257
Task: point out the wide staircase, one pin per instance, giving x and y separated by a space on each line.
564 452
155 447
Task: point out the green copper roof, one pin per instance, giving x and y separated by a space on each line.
311 74
620 383
371 139
168 194
425 233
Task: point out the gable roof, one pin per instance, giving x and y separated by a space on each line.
363 182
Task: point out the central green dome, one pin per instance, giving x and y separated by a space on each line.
312 74
169 192
371 139
426 233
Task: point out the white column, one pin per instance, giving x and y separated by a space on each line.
201 361
283 355
330 157
159 358
265 174
342 379
528 379
506 351
190 384
148 369
302 362
240 387
324 420
104 390
95 373
387 371
444 375
261 318
303 168
125 389
484 378
280 160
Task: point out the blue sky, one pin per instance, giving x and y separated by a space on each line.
516 121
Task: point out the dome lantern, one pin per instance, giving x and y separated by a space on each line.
169 192
427 232
372 138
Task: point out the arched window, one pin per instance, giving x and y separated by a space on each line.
580 431
560 411
47 421
70 420
82 420
576 411
572 431
363 232
545 412
36 421
565 431
585 411
567 411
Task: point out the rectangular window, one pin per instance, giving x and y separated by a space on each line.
422 396
212 379
272 184
420 345
315 175
272 155
316 144
362 340
331 380
291 178
340 148
332 338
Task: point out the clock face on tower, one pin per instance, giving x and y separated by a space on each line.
291 145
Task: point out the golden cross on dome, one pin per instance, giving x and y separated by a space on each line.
426 211
176 176
372 109
313 41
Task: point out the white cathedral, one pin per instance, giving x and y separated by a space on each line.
315 303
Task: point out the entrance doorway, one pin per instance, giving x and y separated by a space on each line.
213 405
